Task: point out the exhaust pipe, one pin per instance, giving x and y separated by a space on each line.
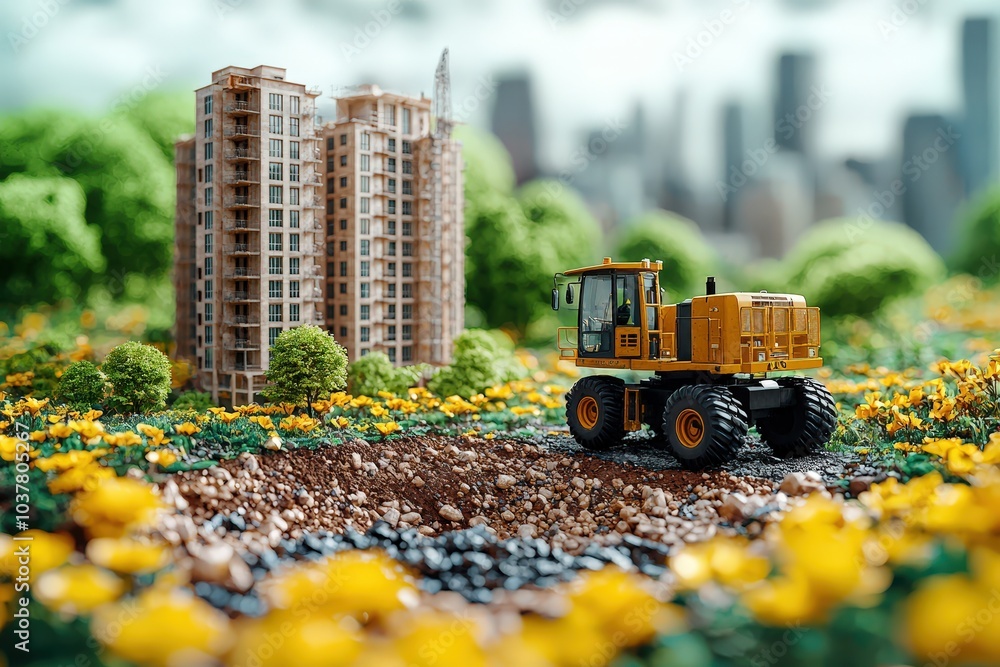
710 285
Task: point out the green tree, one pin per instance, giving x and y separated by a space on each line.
139 376
306 362
48 251
374 372
850 266
488 166
482 359
164 116
559 219
82 384
979 245
687 258
199 401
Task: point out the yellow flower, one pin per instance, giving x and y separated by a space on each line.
123 439
161 457
227 417
115 506
78 589
127 555
308 640
33 405
89 430
421 643
187 428
165 627
724 560
264 422
378 410
11 447
385 428
386 394
155 436
81 478
361 402
63 461
340 422
940 615
37 436
521 410
60 431
45 551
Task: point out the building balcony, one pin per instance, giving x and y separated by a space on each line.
315 202
240 343
242 272
240 249
240 366
241 176
241 201
242 320
316 155
239 106
239 154
239 296
241 131
234 225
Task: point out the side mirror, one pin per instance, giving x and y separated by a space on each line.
569 294
555 299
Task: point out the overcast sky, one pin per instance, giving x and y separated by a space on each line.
591 60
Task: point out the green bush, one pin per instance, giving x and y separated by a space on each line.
306 362
199 401
482 359
374 372
687 258
854 267
139 376
979 246
82 384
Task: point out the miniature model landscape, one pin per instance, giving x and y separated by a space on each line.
359 509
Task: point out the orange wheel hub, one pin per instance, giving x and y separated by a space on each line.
588 412
690 428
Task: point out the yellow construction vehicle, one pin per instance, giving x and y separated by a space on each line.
709 355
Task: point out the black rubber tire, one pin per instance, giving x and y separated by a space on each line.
609 429
723 418
805 427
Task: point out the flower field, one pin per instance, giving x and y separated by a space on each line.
900 570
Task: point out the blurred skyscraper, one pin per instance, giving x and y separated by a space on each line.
513 122
793 108
979 144
930 179
733 149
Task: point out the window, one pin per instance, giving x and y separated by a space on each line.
390 185
275 266
208 244
274 171
391 332
365 184
274 217
274 125
209 173
391 227
407 166
406 124
343 181
330 207
407 186
407 290
365 269
392 249
343 288
343 224
209 312
275 147
391 312
343 140
208 266
331 249
293 127
366 334
365 290
407 229
330 270
293 289
365 141
331 312
364 225
274 312
274 289
343 269
293 104
390 165
293 150
391 291
293 242
329 228
208 335
343 160
208 128
390 269
293 266
365 312
365 247
407 208
392 206
208 150
208 105
331 186
343 332
343 310
408 353
343 246
293 219
209 219
293 173
407 270
392 145
275 194
208 196
391 113
407 311
407 147
343 202
407 332
365 166
274 101
293 312
208 358
272 335
293 196
208 290
365 204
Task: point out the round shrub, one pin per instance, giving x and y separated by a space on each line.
687 258
850 266
139 376
306 362
199 401
374 372
482 359
82 384
979 247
